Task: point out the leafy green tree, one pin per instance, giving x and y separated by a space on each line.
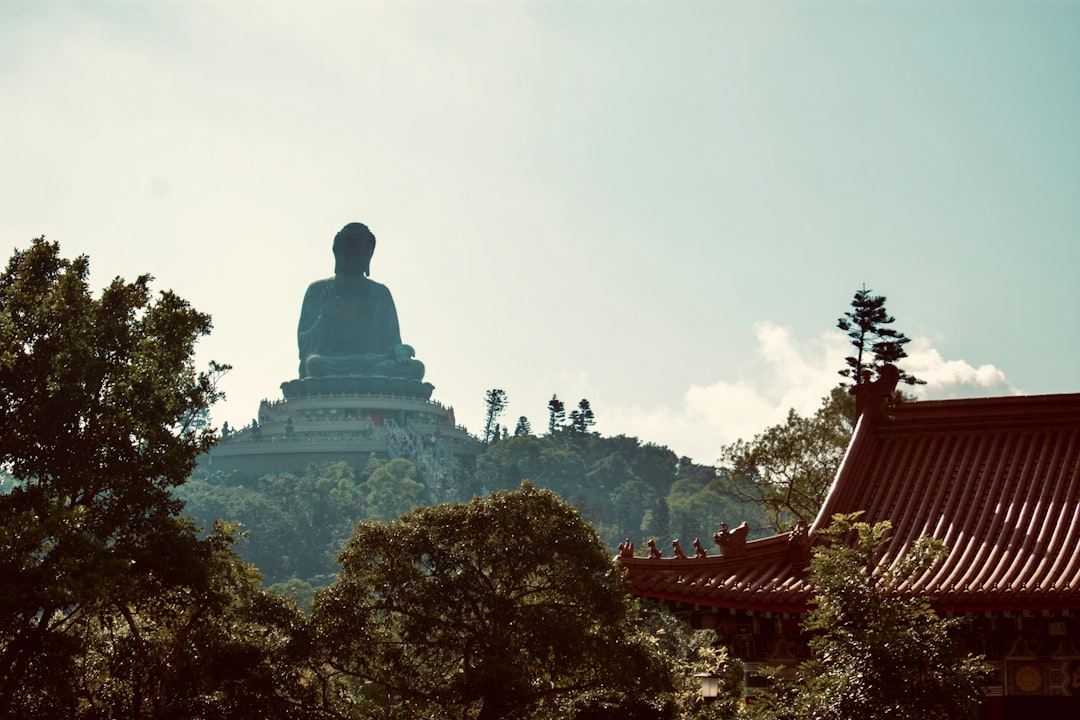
505 464
296 524
392 490
505 607
618 483
111 603
542 460
330 498
695 510
271 539
495 403
562 470
210 644
788 468
658 466
656 521
300 591
877 651
695 653
621 485
686 653
523 427
628 503
605 475
653 464
93 398
875 344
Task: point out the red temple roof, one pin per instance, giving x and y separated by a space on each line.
997 479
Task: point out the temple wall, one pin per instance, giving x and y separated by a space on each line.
1035 655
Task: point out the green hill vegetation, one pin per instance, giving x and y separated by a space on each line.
295 525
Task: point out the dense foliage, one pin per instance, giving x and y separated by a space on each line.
296 524
111 604
625 487
506 606
877 651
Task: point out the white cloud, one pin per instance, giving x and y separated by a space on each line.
792 373
952 378
789 374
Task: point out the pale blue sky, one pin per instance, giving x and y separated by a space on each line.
661 206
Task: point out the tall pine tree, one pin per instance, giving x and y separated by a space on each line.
495 402
875 344
582 419
556 414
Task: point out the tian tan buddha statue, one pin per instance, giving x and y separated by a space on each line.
348 323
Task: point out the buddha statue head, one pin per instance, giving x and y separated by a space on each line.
354 245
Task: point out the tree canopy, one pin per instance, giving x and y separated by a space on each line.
110 599
501 607
876 650
295 524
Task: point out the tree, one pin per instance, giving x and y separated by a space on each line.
495 403
107 591
695 508
875 345
692 653
295 525
523 427
582 419
272 540
656 522
209 644
393 490
556 414
788 468
502 607
542 460
877 651
628 503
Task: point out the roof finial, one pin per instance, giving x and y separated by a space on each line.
874 397
732 542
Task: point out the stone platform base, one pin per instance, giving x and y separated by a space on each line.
317 421
354 385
